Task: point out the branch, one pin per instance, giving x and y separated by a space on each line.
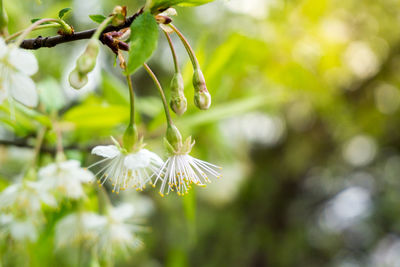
52 41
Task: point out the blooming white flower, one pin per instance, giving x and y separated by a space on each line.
16 67
181 170
104 233
65 178
124 169
26 196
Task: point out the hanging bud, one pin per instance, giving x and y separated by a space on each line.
119 16
87 61
174 137
202 98
130 137
178 101
77 80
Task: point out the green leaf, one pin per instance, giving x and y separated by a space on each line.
97 18
36 19
144 31
159 5
63 11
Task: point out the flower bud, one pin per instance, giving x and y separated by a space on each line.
199 83
174 137
77 80
202 99
87 61
178 101
119 16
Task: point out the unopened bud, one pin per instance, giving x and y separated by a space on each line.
202 99
77 80
119 16
178 101
174 137
199 83
87 61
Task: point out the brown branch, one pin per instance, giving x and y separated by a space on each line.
52 41
47 149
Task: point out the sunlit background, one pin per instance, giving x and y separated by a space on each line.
304 120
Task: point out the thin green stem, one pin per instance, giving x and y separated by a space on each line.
132 100
40 27
36 24
159 87
101 27
189 49
174 56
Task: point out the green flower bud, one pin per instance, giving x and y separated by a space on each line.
174 137
77 80
202 99
130 137
199 83
3 19
87 61
178 102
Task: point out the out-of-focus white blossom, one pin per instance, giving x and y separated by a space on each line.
26 196
65 178
19 229
105 234
16 67
125 169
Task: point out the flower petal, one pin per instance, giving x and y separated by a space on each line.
23 89
106 151
23 61
137 160
3 47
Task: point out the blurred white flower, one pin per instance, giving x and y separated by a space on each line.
65 178
105 233
16 67
181 170
125 169
26 196
18 229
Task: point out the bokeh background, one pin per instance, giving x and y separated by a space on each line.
305 121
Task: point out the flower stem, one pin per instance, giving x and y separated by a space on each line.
132 100
40 27
101 27
38 146
171 46
3 20
159 87
189 49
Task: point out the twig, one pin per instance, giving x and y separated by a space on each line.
52 41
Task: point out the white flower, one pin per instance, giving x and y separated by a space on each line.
125 169
181 170
65 178
18 229
16 67
103 233
26 196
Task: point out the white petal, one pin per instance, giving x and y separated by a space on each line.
3 91
106 151
23 61
153 156
3 47
137 160
23 89
70 164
